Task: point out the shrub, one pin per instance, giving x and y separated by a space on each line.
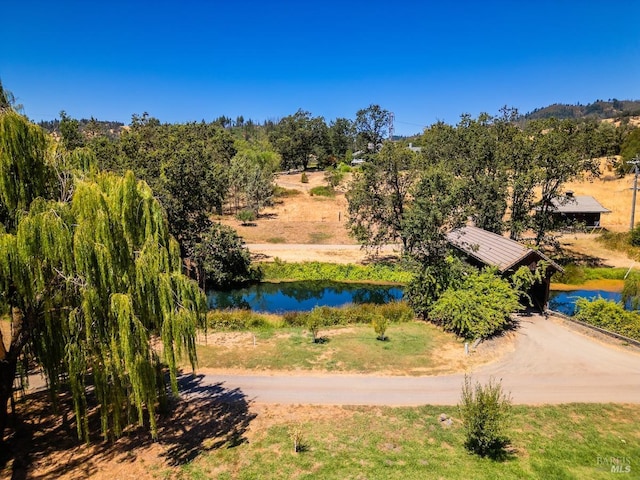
572 275
485 412
333 177
246 216
432 281
315 321
322 191
380 324
608 315
479 308
282 192
344 168
238 320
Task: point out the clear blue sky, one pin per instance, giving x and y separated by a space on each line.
423 60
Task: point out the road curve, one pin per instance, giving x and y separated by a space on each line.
551 364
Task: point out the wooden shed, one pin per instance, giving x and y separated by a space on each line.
571 209
484 248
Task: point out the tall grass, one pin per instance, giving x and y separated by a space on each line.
620 241
239 320
385 273
576 274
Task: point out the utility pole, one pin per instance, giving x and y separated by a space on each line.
634 162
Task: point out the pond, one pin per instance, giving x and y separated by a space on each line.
302 296
565 301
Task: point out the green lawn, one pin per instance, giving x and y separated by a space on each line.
413 348
574 441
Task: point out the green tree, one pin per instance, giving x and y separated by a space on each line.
379 197
298 136
224 258
70 131
341 137
438 205
187 166
371 126
90 284
251 183
630 148
559 157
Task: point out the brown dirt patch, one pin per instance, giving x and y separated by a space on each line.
300 218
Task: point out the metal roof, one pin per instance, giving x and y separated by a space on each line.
492 249
577 204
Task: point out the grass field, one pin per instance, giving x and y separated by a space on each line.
574 441
414 348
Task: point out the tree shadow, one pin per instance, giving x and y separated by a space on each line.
44 444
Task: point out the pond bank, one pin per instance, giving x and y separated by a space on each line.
604 284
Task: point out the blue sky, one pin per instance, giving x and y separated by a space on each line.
425 61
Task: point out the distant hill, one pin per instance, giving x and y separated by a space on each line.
601 109
88 127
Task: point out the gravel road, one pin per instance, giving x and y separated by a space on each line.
552 363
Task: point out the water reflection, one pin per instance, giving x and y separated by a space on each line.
301 296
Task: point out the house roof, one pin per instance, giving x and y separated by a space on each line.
492 249
577 204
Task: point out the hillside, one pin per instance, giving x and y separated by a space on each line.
599 109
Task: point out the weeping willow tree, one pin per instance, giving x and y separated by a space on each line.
92 282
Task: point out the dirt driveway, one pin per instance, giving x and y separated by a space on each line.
552 363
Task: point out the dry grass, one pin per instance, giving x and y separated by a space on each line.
299 218
613 193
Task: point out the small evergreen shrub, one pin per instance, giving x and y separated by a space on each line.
485 412
316 320
380 325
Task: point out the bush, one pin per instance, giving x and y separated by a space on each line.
572 275
608 315
246 216
281 192
393 312
485 412
344 168
479 308
316 320
239 320
322 191
380 324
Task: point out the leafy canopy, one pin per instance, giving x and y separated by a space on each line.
91 282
